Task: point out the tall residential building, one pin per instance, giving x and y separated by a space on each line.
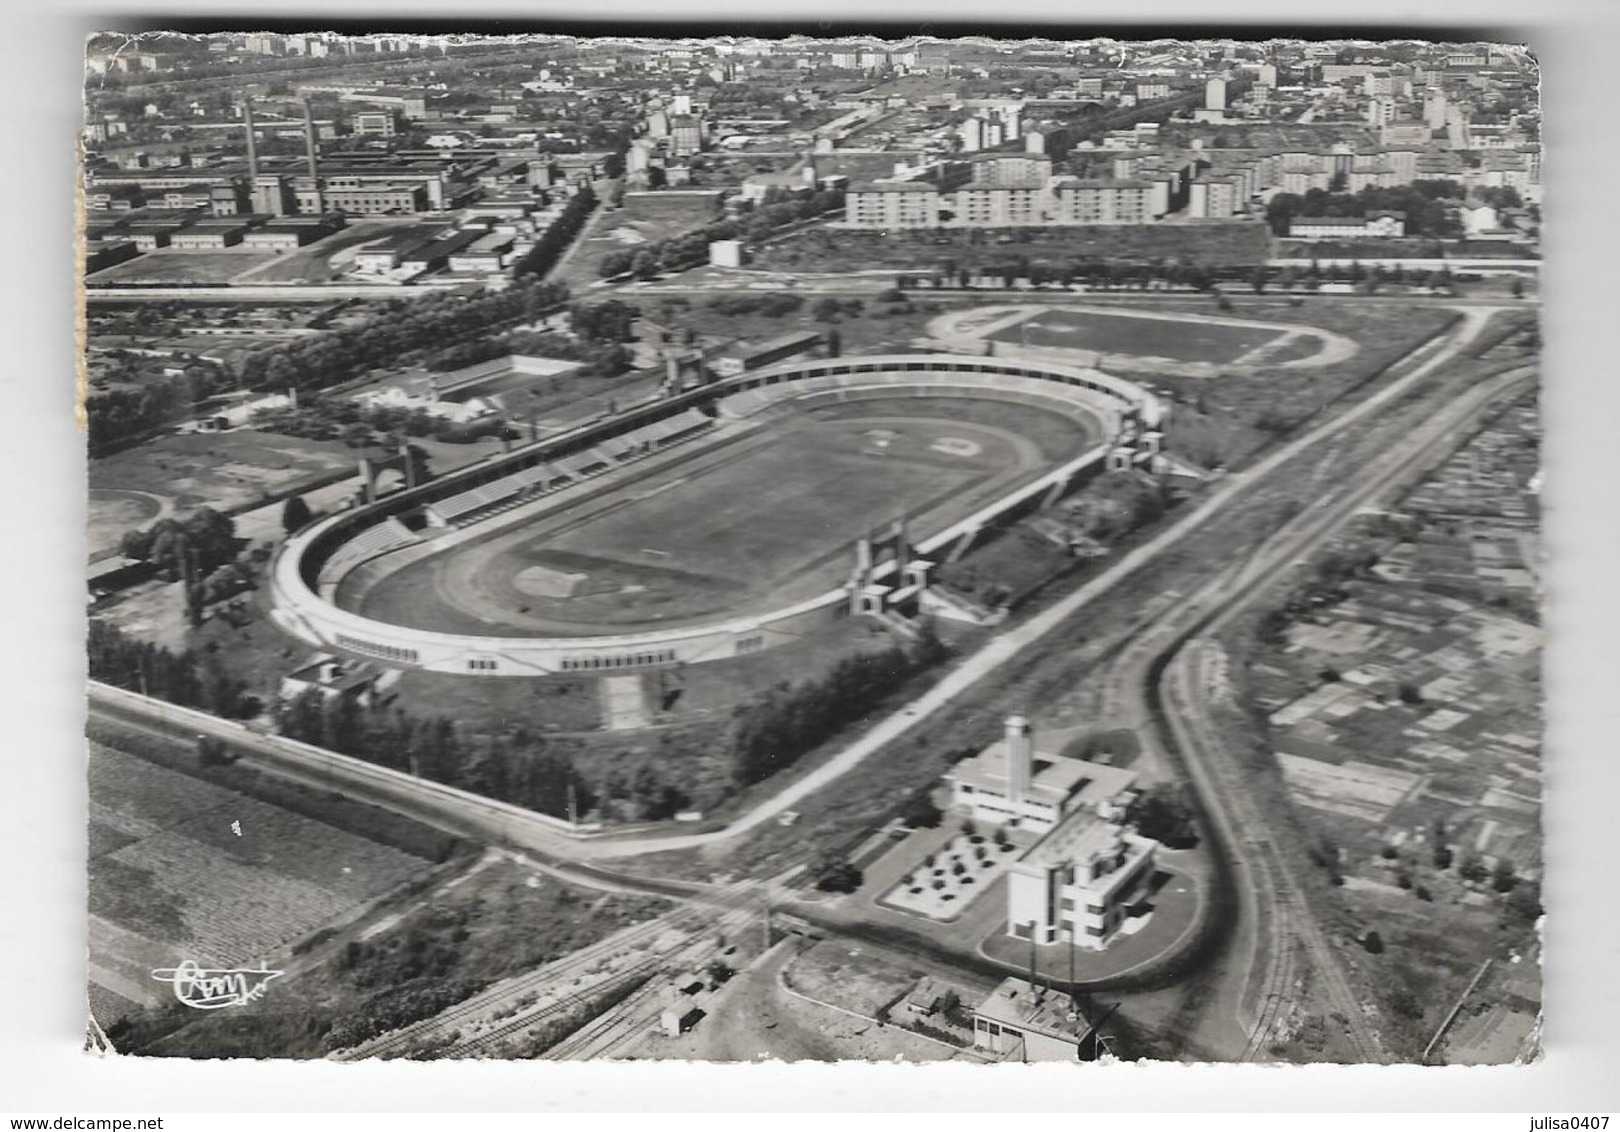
972 134
1012 122
1434 108
1104 201
1215 94
685 136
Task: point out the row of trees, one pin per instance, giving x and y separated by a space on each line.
1430 206
691 249
202 551
516 768
151 402
399 328
202 542
548 249
1090 272
788 721
185 677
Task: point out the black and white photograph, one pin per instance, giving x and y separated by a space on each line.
768 547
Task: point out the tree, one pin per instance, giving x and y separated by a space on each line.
1163 814
1503 878
1522 908
835 342
643 265
294 513
920 812
826 309
831 871
1373 942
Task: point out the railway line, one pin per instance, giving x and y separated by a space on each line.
545 992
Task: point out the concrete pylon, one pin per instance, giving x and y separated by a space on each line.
252 145
1020 748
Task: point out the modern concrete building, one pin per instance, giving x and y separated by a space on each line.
1380 225
1105 201
1012 785
743 358
1078 883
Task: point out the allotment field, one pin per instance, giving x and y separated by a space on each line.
764 515
181 868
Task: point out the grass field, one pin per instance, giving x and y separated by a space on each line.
180 868
642 220
759 521
1149 337
836 250
114 511
167 265
220 470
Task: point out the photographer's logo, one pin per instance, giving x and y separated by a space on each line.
208 989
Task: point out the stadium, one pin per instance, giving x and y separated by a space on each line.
711 523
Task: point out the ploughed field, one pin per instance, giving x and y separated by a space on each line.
756 520
180 869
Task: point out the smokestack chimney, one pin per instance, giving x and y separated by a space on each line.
252 146
309 139
1020 753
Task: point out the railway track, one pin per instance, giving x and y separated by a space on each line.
656 940
603 1035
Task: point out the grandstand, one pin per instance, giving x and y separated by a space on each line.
487 499
390 534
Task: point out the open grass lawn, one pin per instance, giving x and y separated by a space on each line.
220 470
881 328
824 249
167 265
766 519
1225 419
641 221
1125 334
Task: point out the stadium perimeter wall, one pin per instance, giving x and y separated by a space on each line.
300 610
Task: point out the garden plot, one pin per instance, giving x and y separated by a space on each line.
946 881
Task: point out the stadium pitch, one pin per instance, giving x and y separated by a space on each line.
764 515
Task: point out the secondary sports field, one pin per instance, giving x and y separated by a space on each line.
750 522
170 265
1177 339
